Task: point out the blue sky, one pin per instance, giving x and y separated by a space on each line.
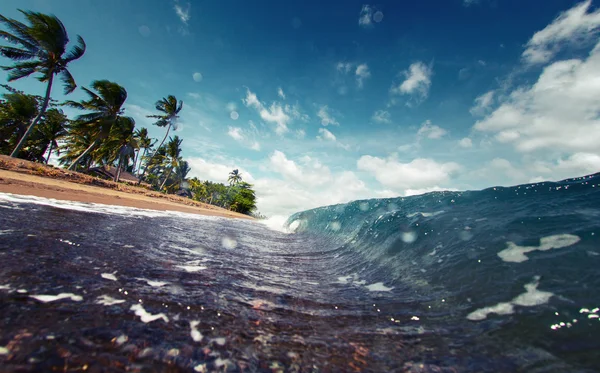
320 103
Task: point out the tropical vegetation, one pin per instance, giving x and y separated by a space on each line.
101 137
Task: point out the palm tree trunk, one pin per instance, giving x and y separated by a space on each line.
135 159
21 143
86 152
166 178
49 153
161 143
118 169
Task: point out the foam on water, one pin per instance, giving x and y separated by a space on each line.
379 286
147 317
52 298
531 297
108 276
195 334
516 254
107 300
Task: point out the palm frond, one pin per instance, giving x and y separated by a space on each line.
77 51
68 80
16 54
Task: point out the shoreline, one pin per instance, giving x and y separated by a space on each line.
28 178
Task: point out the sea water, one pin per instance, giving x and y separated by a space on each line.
499 280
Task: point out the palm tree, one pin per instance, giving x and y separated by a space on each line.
16 112
40 47
170 107
144 142
234 177
173 157
51 129
106 111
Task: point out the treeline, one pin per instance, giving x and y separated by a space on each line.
101 137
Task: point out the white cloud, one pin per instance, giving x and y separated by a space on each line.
366 16
280 93
197 77
382 116
431 131
558 113
465 143
235 133
417 82
417 174
483 104
343 67
326 118
255 146
326 135
219 172
313 173
183 14
274 114
300 133
575 25
362 73
294 112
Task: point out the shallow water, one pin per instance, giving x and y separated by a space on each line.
502 280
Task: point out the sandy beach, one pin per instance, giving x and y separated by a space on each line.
25 178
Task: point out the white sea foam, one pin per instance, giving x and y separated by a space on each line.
192 268
100 208
516 254
147 317
108 276
153 283
196 335
531 297
4 287
425 214
4 351
378 286
52 298
107 300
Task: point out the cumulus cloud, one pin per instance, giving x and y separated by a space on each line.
559 112
416 83
280 93
326 117
465 143
219 172
431 131
365 18
273 114
362 73
575 25
382 116
417 174
483 104
326 135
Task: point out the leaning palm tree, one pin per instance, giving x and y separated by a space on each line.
17 109
144 143
40 48
173 157
105 110
170 107
51 129
234 177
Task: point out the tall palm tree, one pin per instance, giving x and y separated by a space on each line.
105 108
234 177
41 46
170 108
144 143
173 157
52 128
